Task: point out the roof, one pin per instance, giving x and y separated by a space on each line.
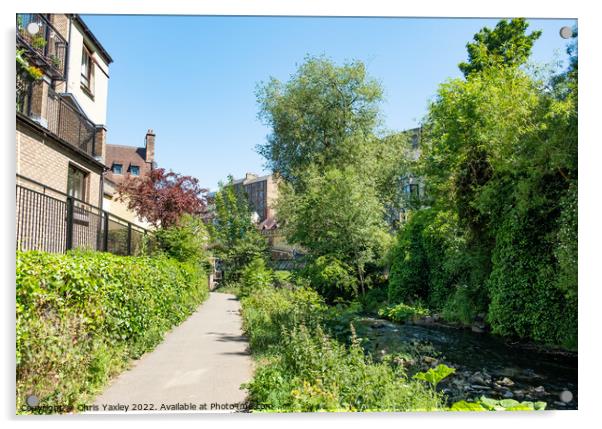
92 37
246 181
125 155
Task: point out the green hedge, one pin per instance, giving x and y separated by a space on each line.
82 316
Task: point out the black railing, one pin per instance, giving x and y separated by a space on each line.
62 119
48 48
53 221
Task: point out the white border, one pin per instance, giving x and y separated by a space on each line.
589 156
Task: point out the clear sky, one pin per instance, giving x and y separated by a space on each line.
192 78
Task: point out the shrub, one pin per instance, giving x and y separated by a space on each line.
185 241
82 315
403 312
331 277
313 372
525 298
255 276
269 313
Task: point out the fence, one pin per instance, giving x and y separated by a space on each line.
50 220
62 119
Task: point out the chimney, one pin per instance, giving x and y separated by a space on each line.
149 144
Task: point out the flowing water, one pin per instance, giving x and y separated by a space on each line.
485 364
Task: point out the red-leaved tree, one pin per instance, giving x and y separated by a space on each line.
163 197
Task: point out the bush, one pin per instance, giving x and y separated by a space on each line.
186 241
255 276
82 315
403 312
525 298
304 369
331 277
269 313
313 372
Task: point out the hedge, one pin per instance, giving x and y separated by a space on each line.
82 316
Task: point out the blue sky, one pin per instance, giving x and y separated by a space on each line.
192 78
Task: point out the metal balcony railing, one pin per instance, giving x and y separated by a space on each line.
46 46
55 114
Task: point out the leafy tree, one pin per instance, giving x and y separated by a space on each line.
338 215
163 197
500 152
507 44
236 240
314 115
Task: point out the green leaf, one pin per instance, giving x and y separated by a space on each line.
435 375
467 406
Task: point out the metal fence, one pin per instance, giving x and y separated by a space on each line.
52 221
62 119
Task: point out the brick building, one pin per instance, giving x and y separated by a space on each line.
261 193
61 140
127 161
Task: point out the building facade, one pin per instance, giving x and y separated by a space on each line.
261 193
124 162
61 139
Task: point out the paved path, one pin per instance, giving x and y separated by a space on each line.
202 361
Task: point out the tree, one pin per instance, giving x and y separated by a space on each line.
236 240
338 215
499 154
507 45
314 115
163 197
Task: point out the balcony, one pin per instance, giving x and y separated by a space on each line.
39 102
45 46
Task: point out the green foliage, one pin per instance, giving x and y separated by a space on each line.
269 313
435 375
81 316
373 300
255 276
506 44
331 277
186 241
235 238
304 369
339 217
488 404
525 299
25 69
316 116
430 262
566 247
403 312
499 153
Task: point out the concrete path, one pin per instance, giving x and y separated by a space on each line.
199 364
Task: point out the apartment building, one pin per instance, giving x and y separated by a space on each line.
61 139
261 193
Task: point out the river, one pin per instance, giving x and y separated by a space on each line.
485 364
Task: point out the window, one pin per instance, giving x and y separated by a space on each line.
134 170
87 66
117 168
76 183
